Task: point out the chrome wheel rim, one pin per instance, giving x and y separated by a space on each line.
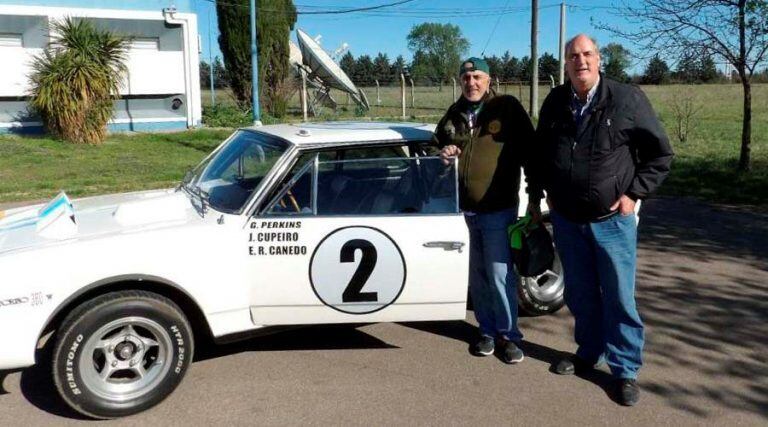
126 358
547 286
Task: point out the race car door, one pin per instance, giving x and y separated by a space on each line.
366 240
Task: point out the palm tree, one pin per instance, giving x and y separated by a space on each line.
75 80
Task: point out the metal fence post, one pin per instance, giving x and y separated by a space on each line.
378 95
402 92
304 94
413 95
497 85
453 79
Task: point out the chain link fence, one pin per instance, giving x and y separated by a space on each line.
420 102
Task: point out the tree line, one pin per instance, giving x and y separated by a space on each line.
365 70
694 68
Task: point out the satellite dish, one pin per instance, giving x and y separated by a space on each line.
295 59
322 71
294 55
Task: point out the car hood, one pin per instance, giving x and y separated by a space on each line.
63 220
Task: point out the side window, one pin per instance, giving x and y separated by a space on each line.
393 186
364 187
374 153
295 198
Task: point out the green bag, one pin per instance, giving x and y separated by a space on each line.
532 249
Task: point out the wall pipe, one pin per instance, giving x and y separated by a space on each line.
169 14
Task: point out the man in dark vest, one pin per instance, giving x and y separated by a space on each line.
600 149
492 137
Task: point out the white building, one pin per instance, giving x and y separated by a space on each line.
162 88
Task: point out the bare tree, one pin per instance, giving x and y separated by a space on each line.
685 111
737 30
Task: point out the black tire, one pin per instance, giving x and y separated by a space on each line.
542 294
105 345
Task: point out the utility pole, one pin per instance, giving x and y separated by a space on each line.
534 105
255 67
562 42
210 59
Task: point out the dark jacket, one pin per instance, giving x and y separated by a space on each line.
491 153
621 148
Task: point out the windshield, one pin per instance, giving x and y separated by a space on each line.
228 178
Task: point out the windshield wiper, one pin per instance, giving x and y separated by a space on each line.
186 180
195 192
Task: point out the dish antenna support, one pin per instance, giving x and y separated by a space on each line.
323 74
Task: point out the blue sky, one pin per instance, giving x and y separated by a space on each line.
385 30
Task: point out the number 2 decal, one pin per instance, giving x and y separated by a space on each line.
364 269
357 270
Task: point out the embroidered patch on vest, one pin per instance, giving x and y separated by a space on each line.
494 126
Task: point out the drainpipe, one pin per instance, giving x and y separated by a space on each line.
169 13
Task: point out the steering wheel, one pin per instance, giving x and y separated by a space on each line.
292 199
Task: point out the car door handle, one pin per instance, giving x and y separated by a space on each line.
448 246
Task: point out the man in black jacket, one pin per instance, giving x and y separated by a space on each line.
600 150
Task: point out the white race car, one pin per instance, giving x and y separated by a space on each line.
280 225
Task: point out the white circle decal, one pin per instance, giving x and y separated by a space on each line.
357 270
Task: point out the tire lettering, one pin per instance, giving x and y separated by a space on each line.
180 342
70 365
180 361
177 334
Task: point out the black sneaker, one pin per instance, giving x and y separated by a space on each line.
628 392
484 347
510 353
573 365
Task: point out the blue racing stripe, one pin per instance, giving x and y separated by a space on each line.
56 203
19 224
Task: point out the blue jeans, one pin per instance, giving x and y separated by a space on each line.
492 278
599 267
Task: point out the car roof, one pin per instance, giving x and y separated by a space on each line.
334 133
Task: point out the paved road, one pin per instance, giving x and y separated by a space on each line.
702 290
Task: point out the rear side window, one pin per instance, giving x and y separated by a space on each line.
365 187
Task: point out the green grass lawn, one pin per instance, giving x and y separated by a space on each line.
33 168
705 165
37 168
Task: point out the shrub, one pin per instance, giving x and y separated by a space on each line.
226 116
76 78
685 111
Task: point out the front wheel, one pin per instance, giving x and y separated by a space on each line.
121 353
542 294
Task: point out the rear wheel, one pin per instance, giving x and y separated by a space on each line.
121 353
542 294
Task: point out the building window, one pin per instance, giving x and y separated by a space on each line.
145 43
10 40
